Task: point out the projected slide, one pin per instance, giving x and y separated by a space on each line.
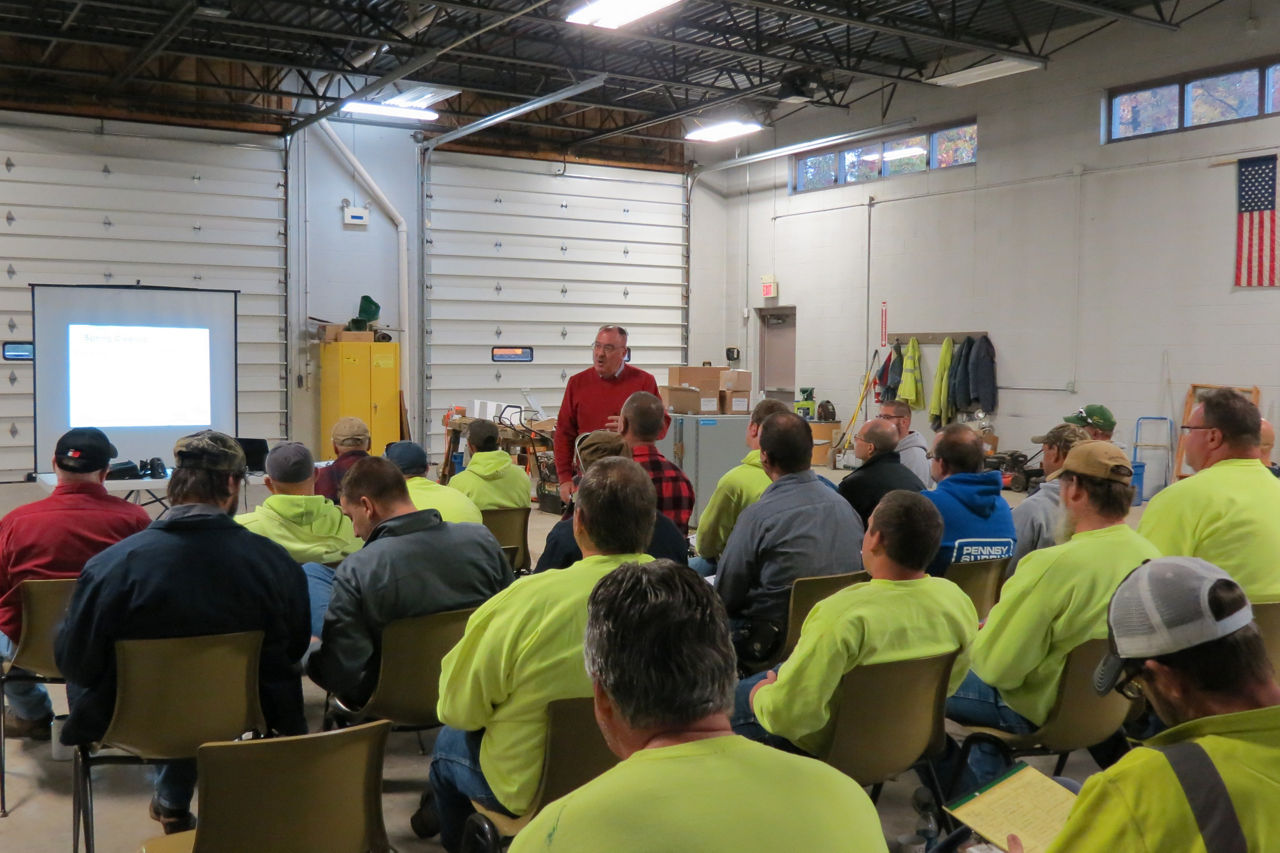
138 376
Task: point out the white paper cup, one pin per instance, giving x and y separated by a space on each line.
60 752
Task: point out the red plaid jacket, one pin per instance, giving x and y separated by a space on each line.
675 492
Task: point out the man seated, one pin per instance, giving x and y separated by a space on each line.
1056 601
738 489
976 522
561 549
900 614
1267 444
1183 637
879 471
641 424
1227 513
351 440
1035 520
452 505
51 539
521 650
491 479
912 450
192 572
413 563
1095 419
799 528
662 674
309 526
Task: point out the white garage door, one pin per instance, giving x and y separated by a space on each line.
520 254
121 205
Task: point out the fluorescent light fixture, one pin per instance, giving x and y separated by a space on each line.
389 111
611 14
983 73
723 130
421 97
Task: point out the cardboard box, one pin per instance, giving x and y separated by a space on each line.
691 401
704 378
824 435
735 402
352 337
328 332
735 380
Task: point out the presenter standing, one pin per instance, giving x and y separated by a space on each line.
593 398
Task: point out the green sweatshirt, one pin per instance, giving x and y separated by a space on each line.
880 621
310 527
521 649
450 503
493 481
1228 514
738 489
1056 600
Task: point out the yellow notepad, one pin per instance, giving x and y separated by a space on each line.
1023 802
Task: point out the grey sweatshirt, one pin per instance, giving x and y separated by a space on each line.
912 452
1035 520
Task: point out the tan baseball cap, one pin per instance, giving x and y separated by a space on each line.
1100 459
350 432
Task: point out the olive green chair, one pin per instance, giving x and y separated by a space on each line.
805 593
981 580
511 528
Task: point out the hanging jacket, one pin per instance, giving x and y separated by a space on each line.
940 399
881 380
911 391
982 374
960 376
892 388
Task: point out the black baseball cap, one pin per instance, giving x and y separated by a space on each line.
408 456
84 449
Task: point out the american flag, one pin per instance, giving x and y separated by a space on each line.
1256 223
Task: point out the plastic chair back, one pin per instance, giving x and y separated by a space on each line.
576 752
889 716
294 794
174 694
408 688
1080 717
1267 618
981 581
511 528
44 603
805 593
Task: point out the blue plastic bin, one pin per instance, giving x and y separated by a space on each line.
1139 473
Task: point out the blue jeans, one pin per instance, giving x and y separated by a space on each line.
176 783
977 703
744 720
456 780
703 566
29 699
319 590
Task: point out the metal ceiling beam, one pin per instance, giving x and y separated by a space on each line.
560 67
1114 14
516 111
149 51
690 110
887 29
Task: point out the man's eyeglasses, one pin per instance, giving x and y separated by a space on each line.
857 437
1189 427
609 348
1130 687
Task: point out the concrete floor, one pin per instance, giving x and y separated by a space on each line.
39 788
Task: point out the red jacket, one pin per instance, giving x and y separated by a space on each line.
329 478
589 401
54 537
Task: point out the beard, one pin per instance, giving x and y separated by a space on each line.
1065 527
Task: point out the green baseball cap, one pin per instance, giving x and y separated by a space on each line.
1093 415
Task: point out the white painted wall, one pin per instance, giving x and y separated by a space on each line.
1103 268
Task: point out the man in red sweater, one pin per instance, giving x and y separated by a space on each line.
54 538
593 399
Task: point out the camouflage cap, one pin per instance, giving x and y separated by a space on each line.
209 450
594 446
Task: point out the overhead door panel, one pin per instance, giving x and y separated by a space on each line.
100 208
528 253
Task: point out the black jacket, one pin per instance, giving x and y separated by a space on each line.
982 374
878 476
562 551
958 377
196 572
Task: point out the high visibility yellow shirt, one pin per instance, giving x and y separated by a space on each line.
521 649
452 504
707 795
310 527
1227 514
880 621
738 489
1056 600
493 481
1138 806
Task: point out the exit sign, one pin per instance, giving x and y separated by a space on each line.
769 287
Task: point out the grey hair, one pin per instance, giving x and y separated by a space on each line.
644 413
658 645
612 327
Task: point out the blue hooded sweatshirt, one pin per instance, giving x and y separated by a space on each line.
976 522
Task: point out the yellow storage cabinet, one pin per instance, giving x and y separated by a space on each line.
362 380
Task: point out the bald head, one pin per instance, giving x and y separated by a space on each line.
1267 441
642 418
881 435
958 450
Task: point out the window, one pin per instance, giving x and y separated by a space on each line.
815 172
862 164
1148 111
955 147
1223 98
870 161
1197 99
